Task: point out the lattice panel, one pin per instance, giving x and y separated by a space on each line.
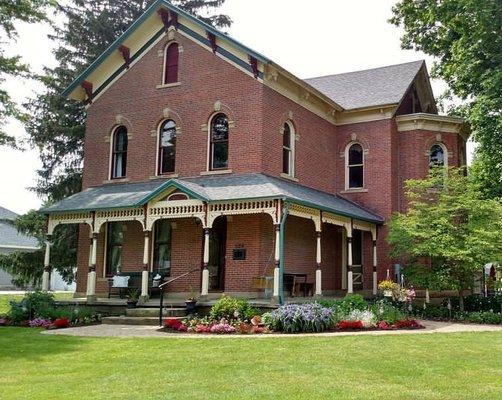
242 208
128 214
175 209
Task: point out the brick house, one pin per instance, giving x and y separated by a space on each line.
210 167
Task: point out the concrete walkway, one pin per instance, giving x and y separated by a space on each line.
128 331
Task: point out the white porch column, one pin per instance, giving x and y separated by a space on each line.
350 274
47 266
91 276
318 273
277 258
375 275
205 261
145 274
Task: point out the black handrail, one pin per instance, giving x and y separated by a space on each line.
162 290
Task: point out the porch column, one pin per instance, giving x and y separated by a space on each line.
350 275
145 274
47 266
375 276
205 261
318 272
277 258
91 276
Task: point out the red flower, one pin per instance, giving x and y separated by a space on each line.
175 324
383 325
408 323
345 325
61 323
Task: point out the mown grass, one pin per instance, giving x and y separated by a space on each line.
428 366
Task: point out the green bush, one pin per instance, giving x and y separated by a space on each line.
387 312
485 317
231 308
18 313
39 303
350 303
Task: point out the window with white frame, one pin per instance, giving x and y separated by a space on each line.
218 142
119 153
171 60
354 161
167 147
288 149
438 156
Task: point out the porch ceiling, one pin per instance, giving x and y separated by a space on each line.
211 189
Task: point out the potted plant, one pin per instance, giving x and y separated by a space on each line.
387 287
191 302
132 298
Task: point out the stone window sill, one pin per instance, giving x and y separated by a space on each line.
164 176
217 172
168 85
289 177
358 190
118 180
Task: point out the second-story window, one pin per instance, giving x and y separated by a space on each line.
355 167
218 147
119 152
288 150
437 156
167 147
171 58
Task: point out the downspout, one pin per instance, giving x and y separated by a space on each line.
282 235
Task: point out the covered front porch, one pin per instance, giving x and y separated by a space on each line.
252 236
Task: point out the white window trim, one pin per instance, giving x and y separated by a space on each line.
347 148
157 161
445 153
292 149
209 170
110 160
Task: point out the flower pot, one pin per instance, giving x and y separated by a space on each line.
387 293
190 306
132 303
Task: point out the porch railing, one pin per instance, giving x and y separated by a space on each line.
162 289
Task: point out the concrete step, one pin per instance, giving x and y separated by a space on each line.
123 320
154 312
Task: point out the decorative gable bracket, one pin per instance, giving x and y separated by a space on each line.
254 65
87 86
212 41
169 18
126 54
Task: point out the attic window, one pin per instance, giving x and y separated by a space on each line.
171 58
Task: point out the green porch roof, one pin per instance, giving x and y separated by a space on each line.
212 189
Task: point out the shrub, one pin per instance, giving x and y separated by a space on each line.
385 311
39 303
231 308
18 313
294 318
477 303
480 317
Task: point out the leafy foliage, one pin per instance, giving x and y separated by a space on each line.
230 308
296 318
449 231
11 12
466 38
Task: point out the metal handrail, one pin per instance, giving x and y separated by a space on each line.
162 290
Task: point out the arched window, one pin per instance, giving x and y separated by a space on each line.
355 167
437 156
167 147
171 63
119 152
288 150
218 148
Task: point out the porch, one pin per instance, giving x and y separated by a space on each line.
251 235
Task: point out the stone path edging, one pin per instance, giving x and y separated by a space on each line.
139 331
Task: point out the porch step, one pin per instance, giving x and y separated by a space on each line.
123 320
154 312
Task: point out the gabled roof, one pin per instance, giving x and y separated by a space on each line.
10 238
370 87
212 189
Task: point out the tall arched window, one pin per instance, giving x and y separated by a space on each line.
218 148
437 156
119 152
355 167
171 58
288 150
167 147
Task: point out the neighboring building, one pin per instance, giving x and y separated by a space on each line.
207 159
11 241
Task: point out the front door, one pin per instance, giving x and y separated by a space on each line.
217 254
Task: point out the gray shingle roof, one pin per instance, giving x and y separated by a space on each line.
9 236
212 189
368 88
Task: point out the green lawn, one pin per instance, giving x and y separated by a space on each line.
432 366
5 298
